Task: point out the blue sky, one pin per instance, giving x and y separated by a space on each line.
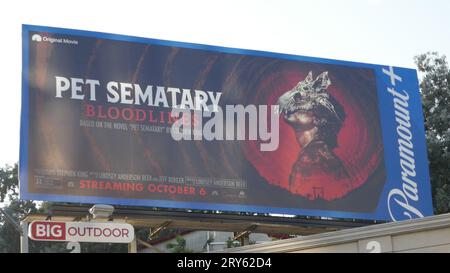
374 31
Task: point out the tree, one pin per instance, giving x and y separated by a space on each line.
179 246
18 209
435 88
9 181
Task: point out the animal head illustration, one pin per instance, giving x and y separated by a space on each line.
311 96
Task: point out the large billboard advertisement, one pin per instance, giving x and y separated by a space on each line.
133 121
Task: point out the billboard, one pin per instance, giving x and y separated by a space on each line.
133 121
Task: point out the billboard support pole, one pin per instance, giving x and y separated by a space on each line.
243 236
24 237
132 246
158 229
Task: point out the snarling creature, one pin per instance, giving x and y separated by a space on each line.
317 119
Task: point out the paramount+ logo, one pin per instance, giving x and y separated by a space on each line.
58 40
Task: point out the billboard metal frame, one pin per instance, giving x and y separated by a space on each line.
141 217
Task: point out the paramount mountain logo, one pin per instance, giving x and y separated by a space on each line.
58 40
36 38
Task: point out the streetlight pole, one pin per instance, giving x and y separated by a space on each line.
24 237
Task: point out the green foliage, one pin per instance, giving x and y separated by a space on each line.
179 246
435 88
8 181
231 243
18 209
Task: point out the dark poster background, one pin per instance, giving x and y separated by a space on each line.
58 142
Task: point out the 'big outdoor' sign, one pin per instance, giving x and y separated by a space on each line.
81 232
115 119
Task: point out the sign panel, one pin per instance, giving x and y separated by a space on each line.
81 232
132 121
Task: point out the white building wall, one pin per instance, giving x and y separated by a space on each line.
429 234
196 241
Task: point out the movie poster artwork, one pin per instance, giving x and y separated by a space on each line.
133 121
